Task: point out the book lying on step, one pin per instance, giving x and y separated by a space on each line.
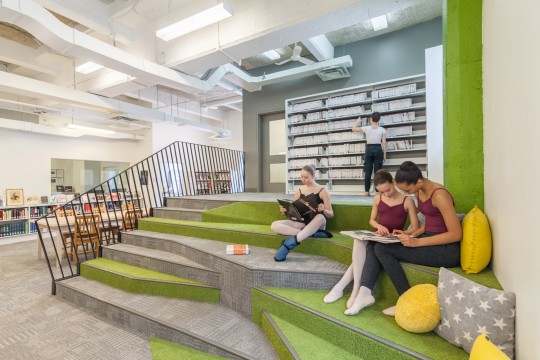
371 236
237 249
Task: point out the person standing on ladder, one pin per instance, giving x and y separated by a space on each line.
375 153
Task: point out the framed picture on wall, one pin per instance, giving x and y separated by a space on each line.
68 188
44 199
59 188
14 197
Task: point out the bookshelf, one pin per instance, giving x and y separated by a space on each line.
212 182
319 131
18 220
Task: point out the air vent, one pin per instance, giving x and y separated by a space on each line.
122 118
333 73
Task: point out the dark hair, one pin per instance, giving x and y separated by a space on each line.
310 169
382 176
408 173
376 116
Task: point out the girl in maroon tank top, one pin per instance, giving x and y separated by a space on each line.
388 214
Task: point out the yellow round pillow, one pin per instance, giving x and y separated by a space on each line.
476 242
417 310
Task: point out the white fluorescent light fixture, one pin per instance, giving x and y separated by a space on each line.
194 22
91 129
88 67
272 54
379 23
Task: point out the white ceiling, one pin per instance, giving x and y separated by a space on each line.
193 79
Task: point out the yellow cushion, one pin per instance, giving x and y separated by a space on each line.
476 242
484 349
417 310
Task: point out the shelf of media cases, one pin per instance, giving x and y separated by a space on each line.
320 131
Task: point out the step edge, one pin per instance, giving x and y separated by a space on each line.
202 285
163 323
195 266
281 335
347 326
229 258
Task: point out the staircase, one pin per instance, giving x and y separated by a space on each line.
239 306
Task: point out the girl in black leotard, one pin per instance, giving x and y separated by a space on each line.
315 224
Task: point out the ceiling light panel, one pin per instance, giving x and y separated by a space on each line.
379 23
194 22
88 67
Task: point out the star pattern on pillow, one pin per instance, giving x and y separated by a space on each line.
469 309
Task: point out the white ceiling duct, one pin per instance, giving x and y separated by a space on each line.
38 89
66 40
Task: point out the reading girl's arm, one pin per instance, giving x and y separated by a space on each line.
382 230
413 218
443 201
326 206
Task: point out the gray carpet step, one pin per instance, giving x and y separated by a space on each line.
240 273
196 203
162 261
178 213
204 326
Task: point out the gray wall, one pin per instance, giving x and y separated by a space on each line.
385 57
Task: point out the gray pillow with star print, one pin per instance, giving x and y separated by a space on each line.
469 309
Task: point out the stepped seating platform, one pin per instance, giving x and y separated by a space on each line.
265 310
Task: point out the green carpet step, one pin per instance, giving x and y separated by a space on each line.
369 334
208 327
178 213
337 248
195 202
167 350
293 342
143 281
162 261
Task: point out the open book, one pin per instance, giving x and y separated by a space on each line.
292 212
371 236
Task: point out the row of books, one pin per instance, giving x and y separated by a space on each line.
16 228
311 139
394 91
13 214
295 174
300 163
39 211
305 106
346 99
353 148
306 151
399 131
345 174
355 160
346 136
392 105
399 145
311 128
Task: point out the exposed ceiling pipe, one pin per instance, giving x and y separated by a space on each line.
66 40
110 107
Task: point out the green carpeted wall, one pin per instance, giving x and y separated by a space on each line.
463 115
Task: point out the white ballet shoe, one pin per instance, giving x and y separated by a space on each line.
391 311
359 303
333 296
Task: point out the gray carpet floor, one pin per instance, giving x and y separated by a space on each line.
36 325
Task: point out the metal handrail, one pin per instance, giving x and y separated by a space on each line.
180 169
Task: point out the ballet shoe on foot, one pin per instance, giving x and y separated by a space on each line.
359 303
333 296
391 311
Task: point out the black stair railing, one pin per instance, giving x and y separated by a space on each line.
75 231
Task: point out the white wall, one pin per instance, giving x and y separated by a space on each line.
511 146
164 134
25 160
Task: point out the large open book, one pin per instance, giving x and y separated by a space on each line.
292 212
371 236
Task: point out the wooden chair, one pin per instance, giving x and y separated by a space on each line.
85 236
108 226
129 218
66 234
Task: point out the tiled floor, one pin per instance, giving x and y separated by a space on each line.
36 325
